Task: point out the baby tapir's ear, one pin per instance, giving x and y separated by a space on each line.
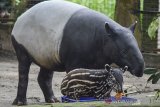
125 69
107 67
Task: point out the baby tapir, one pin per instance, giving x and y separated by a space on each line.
92 83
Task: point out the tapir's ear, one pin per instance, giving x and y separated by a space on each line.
108 27
133 26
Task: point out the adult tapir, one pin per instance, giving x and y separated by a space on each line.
61 36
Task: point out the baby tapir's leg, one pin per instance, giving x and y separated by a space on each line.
45 82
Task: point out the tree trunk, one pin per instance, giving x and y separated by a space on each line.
125 17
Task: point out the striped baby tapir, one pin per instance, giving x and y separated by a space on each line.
59 35
92 83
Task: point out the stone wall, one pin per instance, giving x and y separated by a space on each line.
5 38
152 60
149 13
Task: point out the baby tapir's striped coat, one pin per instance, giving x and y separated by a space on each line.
91 83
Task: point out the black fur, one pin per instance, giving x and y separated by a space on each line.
45 82
23 67
91 40
83 46
44 78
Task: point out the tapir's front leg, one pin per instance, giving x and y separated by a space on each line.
45 82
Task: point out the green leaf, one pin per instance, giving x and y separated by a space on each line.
157 95
156 78
150 70
153 28
104 6
151 77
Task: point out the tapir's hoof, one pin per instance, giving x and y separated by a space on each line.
53 100
19 102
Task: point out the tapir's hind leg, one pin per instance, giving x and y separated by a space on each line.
45 82
24 62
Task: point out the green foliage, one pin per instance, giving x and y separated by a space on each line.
19 6
155 75
157 93
141 4
17 2
76 104
153 28
141 8
5 4
150 70
94 104
154 25
104 6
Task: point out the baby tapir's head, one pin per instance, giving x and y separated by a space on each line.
117 77
118 74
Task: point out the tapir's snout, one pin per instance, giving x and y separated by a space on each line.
138 68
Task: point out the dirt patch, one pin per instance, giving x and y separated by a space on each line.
9 81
